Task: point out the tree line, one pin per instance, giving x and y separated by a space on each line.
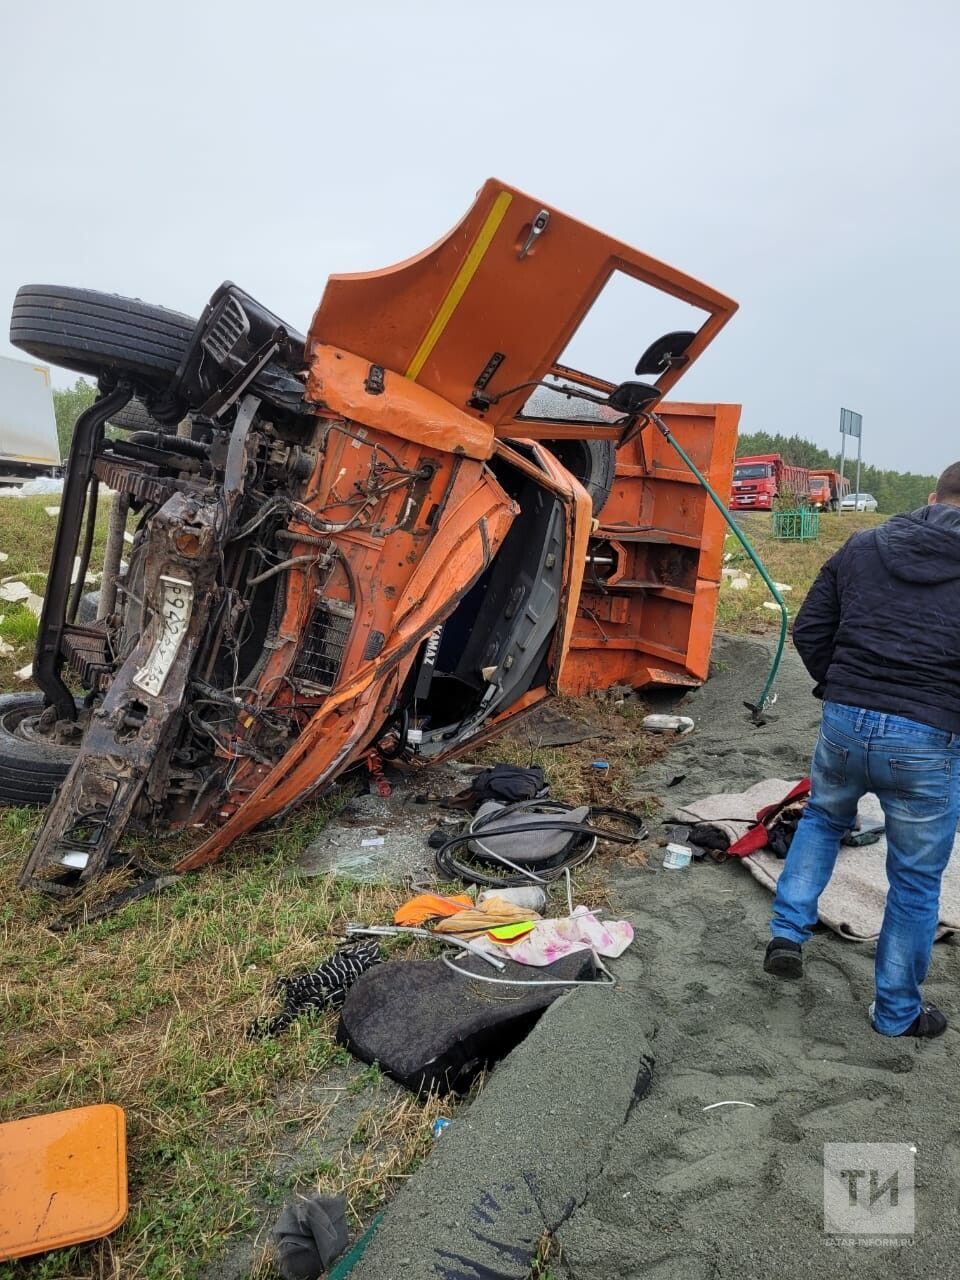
68 404
894 490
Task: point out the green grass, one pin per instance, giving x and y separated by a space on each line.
26 535
148 1009
794 563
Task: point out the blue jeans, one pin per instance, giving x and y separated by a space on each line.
915 772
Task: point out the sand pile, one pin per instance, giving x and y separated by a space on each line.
726 751
669 1191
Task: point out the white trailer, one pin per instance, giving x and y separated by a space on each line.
28 427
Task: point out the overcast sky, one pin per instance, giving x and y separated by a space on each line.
806 165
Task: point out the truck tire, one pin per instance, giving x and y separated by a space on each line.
91 332
30 771
592 462
135 416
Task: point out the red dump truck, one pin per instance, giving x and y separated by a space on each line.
759 481
828 489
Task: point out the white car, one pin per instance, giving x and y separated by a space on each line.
859 502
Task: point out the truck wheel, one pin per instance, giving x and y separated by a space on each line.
30 769
92 332
135 416
592 462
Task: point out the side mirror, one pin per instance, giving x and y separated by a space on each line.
668 352
633 397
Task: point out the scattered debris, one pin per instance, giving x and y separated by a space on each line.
52 511
7 650
4 555
127 536
311 1232
732 1102
45 1159
680 725
34 603
431 1030
739 584
33 488
14 592
783 586
771 604
677 857
25 672
325 987
548 727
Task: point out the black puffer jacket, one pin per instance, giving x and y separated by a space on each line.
880 628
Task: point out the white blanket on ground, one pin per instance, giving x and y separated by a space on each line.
852 903
735 812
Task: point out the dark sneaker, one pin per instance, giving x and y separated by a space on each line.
783 958
928 1023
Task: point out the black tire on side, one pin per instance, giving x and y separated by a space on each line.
30 771
87 608
91 332
135 416
592 462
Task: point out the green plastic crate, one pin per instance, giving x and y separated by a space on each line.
800 525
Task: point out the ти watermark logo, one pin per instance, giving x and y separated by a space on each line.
868 1192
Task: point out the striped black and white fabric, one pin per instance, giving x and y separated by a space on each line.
325 987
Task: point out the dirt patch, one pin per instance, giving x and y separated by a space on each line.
737 1191
726 751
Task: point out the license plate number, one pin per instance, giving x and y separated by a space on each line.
176 605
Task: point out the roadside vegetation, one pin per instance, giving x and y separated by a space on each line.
26 537
148 1009
795 564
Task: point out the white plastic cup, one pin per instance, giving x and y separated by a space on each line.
532 899
677 857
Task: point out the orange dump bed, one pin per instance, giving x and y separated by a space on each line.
649 595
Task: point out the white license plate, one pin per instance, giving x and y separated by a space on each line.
176 604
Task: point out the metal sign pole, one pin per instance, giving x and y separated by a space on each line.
851 424
843 455
859 454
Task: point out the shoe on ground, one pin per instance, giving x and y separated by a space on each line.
928 1023
783 958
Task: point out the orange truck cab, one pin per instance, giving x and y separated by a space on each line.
828 489
395 533
760 480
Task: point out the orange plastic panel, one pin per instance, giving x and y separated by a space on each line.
63 1179
648 615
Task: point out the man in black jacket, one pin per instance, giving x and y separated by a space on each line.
880 634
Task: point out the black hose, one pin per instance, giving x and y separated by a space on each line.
85 550
452 868
171 443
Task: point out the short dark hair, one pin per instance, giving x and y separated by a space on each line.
948 486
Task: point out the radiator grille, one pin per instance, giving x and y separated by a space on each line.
321 654
230 324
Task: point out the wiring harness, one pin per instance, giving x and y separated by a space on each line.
466 856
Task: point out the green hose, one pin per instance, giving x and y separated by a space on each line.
764 700
349 1260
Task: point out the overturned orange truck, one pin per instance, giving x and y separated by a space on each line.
397 532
